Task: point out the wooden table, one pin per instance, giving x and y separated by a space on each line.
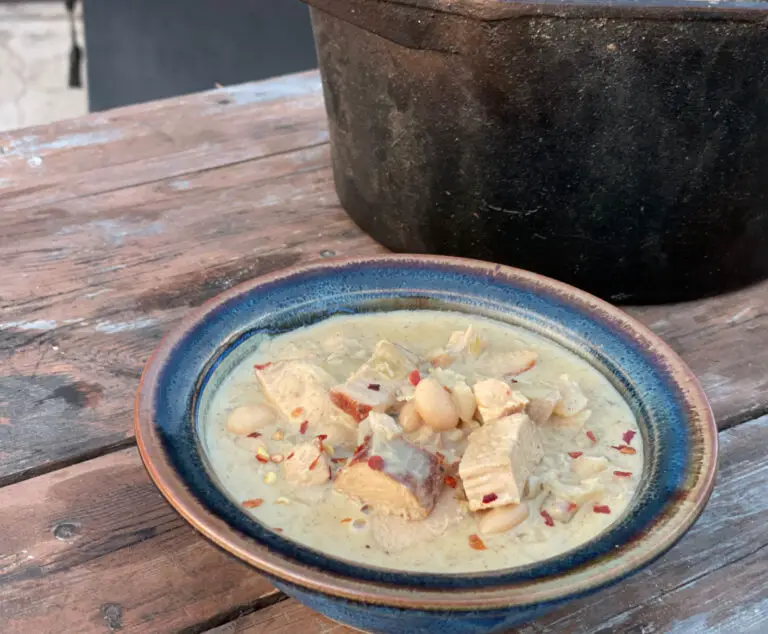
113 226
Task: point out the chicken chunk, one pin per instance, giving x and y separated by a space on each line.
572 400
300 391
389 362
358 398
375 385
392 475
306 466
542 402
559 509
498 460
461 342
509 363
394 534
495 399
586 490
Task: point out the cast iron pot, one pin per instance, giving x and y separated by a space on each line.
620 147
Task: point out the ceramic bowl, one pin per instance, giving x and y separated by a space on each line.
674 417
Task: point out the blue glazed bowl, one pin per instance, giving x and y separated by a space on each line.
676 422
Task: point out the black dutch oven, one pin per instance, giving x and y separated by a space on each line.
619 146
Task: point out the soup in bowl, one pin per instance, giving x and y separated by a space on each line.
406 443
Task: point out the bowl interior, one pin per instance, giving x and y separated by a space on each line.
674 418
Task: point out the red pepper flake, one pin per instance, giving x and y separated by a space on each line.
490 497
346 520
376 463
303 427
254 434
374 386
262 459
475 543
575 454
320 439
572 506
628 436
629 451
440 457
414 378
330 473
289 456
297 412
591 436
253 504
262 366
602 508
450 481
447 389
313 464
278 530
623 474
337 460
547 518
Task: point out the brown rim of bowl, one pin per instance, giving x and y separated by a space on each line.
592 575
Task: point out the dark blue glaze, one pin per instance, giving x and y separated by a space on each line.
379 619
312 295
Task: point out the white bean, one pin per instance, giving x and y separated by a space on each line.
250 418
410 419
435 405
465 401
503 518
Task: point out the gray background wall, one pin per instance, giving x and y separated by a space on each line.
139 50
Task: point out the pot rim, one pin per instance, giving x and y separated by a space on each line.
500 10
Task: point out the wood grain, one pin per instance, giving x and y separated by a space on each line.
713 581
104 277
94 548
159 140
135 215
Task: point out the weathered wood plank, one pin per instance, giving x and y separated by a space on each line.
713 581
159 140
99 280
95 548
722 339
101 263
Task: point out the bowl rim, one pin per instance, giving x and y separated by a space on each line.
580 580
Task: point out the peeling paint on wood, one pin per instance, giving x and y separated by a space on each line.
32 145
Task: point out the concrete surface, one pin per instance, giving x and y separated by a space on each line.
34 62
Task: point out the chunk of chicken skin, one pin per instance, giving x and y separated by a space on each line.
495 399
498 460
300 391
358 398
308 466
393 476
374 385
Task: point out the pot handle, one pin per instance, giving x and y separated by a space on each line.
409 26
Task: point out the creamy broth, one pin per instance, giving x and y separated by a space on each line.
582 469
